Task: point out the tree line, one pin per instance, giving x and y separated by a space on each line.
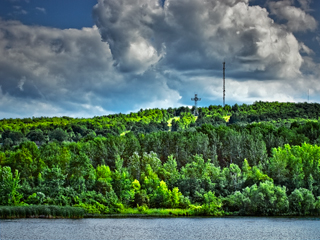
268 167
44 129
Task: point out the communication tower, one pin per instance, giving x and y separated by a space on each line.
224 83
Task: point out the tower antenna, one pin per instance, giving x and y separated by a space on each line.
224 83
196 99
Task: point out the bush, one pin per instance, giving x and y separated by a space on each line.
95 208
265 199
41 210
302 201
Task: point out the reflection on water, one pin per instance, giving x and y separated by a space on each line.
162 228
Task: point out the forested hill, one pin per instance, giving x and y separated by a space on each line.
265 154
44 129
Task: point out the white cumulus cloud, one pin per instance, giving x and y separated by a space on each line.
196 34
142 54
297 19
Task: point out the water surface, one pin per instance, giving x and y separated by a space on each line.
162 228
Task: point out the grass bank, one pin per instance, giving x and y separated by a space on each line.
143 211
40 211
51 211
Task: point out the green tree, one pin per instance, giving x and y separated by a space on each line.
53 181
9 187
80 171
253 175
36 135
103 179
26 159
58 134
122 184
169 172
212 205
265 199
277 167
134 166
302 201
234 177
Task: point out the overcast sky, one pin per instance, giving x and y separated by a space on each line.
89 58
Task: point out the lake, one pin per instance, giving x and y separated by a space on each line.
162 228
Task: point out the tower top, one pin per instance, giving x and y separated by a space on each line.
224 83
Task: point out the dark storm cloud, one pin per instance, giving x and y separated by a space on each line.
51 67
193 34
45 71
185 39
148 54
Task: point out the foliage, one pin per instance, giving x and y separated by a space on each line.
264 161
265 199
9 186
41 210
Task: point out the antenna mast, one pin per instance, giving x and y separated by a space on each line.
196 99
224 84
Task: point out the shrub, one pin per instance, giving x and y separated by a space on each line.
302 201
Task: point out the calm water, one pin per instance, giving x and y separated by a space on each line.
162 228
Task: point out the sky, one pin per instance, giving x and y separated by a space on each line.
90 58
